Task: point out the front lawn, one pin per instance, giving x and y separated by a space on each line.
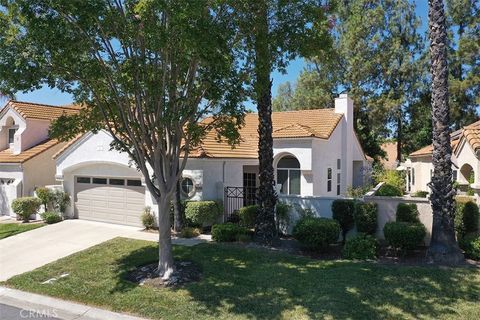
11 229
242 283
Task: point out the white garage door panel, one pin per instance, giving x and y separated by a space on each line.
109 203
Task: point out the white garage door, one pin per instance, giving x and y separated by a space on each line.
116 200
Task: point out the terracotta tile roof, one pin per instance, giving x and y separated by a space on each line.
390 149
6 156
30 110
427 151
317 123
472 135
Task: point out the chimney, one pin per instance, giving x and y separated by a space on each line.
343 104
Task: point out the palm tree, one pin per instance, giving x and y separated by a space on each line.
443 246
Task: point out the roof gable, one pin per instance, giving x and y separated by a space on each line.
29 110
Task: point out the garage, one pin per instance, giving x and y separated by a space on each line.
109 199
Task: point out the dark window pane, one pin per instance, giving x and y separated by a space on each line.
339 164
288 162
329 173
117 182
329 185
99 181
134 183
282 178
294 182
338 189
83 180
11 135
187 186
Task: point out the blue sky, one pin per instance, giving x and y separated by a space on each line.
56 97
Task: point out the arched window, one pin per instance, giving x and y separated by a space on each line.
288 175
11 131
188 187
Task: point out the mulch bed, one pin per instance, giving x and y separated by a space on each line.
185 272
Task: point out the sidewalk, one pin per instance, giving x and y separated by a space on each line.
42 307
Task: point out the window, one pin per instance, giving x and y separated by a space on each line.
99 181
413 176
250 186
339 164
134 183
329 179
117 182
288 175
338 183
11 135
188 187
83 180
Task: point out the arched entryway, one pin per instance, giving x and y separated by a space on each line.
289 175
467 175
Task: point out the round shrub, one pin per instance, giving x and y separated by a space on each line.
316 233
366 217
25 207
189 232
407 212
148 220
248 215
388 190
202 213
343 211
45 195
470 243
51 217
466 218
227 232
404 236
360 247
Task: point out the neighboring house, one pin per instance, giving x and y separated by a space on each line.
316 153
390 160
26 150
465 162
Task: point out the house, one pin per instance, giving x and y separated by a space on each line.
26 150
465 162
316 153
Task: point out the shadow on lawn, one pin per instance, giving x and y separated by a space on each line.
263 285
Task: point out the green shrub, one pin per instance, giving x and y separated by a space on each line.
466 218
148 219
358 192
391 177
60 201
404 236
282 215
201 213
343 211
470 243
227 232
388 190
407 212
360 247
244 238
366 217
45 195
248 215
25 207
51 217
420 194
189 232
316 233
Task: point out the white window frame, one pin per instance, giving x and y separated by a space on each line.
15 128
329 179
288 177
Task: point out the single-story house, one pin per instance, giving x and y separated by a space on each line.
465 162
316 153
26 150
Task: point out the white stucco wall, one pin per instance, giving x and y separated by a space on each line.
422 170
11 191
5 124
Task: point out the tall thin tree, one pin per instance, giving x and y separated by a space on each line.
443 246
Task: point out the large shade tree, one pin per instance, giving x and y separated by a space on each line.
273 33
443 246
146 71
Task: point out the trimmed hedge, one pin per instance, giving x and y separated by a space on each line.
360 247
470 243
366 217
420 194
388 190
407 212
466 218
316 233
404 236
201 213
25 207
227 232
51 217
343 211
248 215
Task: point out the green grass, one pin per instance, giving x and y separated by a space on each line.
11 229
242 283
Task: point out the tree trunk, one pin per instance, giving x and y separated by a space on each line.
177 210
165 255
443 246
399 137
265 228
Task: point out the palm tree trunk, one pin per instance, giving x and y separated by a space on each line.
443 246
265 223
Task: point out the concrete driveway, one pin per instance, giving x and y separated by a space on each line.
32 249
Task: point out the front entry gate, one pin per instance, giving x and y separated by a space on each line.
238 197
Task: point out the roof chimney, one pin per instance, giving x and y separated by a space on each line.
343 104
